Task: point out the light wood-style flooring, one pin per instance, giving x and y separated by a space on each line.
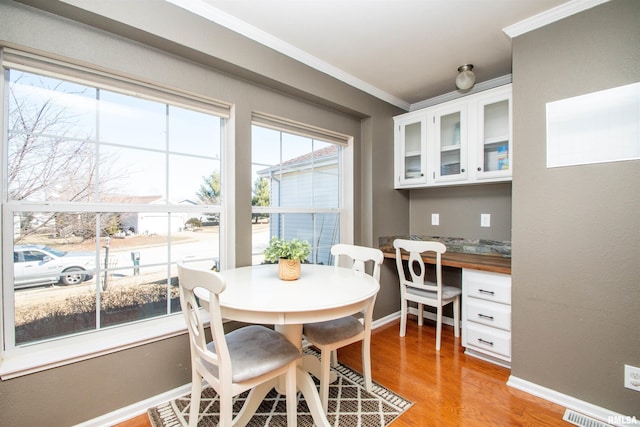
448 388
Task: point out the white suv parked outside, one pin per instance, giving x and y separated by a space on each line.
39 264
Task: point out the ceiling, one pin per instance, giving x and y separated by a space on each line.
402 51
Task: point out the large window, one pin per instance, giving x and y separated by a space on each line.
105 190
297 191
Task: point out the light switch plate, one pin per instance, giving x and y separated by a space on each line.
435 219
485 220
632 377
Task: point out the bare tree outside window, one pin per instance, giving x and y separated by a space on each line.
51 150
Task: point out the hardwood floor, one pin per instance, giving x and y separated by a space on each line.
448 388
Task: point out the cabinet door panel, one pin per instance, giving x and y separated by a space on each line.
451 144
411 162
494 149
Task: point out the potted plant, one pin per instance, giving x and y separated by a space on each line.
289 254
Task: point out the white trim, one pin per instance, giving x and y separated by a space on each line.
550 16
480 87
412 310
390 318
201 8
602 414
347 214
30 359
139 408
487 358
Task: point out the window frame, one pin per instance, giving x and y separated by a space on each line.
345 167
28 358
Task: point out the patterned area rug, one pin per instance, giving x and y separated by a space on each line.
349 405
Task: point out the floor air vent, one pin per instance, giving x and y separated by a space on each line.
582 420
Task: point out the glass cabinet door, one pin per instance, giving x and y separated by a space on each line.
494 156
412 151
451 138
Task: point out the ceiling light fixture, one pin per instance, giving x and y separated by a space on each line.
466 79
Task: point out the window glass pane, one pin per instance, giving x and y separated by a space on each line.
194 180
54 267
43 168
326 175
326 234
136 122
128 172
40 105
50 153
192 132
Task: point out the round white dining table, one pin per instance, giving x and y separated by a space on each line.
256 294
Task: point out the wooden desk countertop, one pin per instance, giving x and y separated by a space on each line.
491 263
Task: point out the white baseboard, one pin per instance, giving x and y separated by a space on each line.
412 310
385 320
131 411
585 408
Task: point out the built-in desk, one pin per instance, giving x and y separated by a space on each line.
494 257
486 291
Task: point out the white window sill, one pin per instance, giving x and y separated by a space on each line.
39 357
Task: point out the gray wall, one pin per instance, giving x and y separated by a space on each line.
195 56
576 230
460 208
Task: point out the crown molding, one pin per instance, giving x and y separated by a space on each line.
213 14
549 16
450 96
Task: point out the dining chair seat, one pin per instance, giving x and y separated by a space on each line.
448 292
333 330
255 350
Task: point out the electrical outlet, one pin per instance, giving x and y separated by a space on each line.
485 220
435 219
632 377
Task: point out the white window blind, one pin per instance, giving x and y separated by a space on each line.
25 61
302 129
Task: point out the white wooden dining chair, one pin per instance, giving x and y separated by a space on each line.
235 362
417 289
330 335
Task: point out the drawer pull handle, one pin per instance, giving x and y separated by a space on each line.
481 341
484 316
482 291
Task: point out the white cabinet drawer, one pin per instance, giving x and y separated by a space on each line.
490 340
487 286
491 314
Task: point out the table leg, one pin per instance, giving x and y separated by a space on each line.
304 382
308 389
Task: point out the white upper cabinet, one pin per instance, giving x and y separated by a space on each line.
494 146
411 150
464 141
449 137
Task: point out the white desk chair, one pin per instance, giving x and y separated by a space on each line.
330 335
422 292
235 362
